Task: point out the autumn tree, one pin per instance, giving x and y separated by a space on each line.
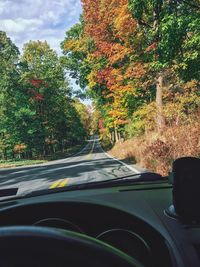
100 46
85 114
129 54
169 30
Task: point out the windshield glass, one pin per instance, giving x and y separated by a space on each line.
94 90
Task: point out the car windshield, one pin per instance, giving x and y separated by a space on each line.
95 90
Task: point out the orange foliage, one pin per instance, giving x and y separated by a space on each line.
19 148
151 47
110 24
135 70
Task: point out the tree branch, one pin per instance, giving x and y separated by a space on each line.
143 23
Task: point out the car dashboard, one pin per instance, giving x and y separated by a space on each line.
131 218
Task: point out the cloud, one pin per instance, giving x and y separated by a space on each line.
26 20
20 25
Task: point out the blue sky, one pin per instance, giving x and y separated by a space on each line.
25 20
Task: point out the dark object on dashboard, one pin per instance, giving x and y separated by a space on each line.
186 188
8 192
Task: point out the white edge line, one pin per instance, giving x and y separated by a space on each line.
128 166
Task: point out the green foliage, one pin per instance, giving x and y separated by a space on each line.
173 26
183 110
36 107
76 53
84 114
143 120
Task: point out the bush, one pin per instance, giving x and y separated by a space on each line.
105 140
183 110
156 153
143 120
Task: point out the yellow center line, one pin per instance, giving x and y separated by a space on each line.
63 183
59 183
91 151
55 184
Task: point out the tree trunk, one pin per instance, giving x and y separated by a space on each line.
113 137
119 136
116 135
5 154
159 103
63 146
44 150
53 149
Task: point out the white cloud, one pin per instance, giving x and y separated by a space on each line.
19 25
25 20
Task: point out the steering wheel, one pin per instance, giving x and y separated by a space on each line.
40 246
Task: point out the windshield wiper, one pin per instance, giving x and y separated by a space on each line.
124 180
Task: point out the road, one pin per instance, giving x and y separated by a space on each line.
89 165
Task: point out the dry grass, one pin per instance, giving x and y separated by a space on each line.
156 152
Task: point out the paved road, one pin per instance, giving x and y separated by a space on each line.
90 164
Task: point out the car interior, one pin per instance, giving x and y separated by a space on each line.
140 224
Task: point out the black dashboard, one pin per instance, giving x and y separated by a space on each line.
131 218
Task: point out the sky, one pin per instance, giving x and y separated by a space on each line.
25 20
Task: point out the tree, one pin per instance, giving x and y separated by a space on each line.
100 47
9 80
166 27
84 113
49 97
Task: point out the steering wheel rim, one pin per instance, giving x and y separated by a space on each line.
42 246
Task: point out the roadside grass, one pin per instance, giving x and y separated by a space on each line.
17 163
10 163
157 152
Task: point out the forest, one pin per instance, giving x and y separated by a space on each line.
39 116
139 61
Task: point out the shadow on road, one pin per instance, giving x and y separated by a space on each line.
90 164
57 171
